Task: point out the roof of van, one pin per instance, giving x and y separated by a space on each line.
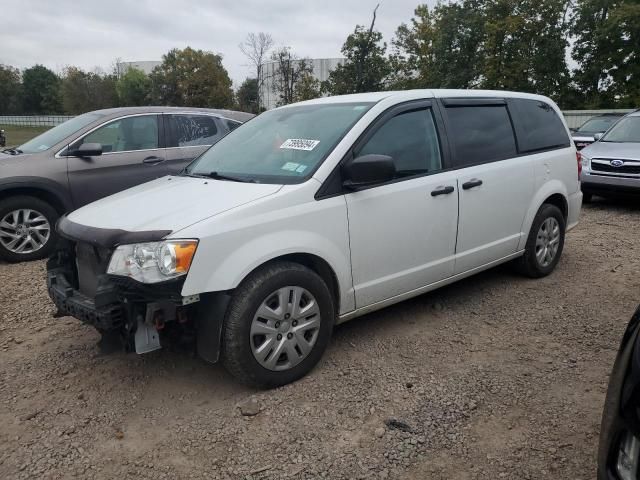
426 93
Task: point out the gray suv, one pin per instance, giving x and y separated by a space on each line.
91 156
611 165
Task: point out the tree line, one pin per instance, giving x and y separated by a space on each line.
187 77
581 53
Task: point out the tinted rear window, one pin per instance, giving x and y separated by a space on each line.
538 126
481 134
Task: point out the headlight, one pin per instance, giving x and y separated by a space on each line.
153 262
585 160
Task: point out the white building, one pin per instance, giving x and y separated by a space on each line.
321 69
146 66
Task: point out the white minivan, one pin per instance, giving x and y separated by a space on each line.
316 213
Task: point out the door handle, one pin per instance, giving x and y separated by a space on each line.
442 191
474 182
153 160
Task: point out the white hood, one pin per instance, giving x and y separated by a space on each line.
169 203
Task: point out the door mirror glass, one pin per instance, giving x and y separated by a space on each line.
368 170
598 136
87 150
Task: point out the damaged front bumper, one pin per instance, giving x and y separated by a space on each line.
145 317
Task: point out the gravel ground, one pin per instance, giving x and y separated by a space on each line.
494 377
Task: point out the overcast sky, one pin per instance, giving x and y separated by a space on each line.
93 33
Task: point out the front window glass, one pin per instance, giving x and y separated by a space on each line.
626 130
280 146
126 134
598 124
411 140
57 134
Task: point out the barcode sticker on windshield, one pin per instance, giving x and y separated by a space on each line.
300 144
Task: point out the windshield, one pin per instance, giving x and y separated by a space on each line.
598 124
280 146
54 136
626 130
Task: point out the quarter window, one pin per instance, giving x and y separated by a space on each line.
538 126
480 134
411 139
126 134
194 130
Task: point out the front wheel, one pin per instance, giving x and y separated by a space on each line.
544 244
277 325
27 228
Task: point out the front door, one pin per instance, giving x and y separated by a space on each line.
403 233
131 156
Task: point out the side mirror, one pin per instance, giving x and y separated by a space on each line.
598 136
87 150
573 129
368 170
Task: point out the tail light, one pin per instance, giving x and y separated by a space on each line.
579 158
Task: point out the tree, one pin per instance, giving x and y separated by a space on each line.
366 68
289 71
134 88
41 91
607 49
441 48
247 96
307 88
256 48
85 91
191 78
10 90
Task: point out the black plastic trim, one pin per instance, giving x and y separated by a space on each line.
105 237
472 101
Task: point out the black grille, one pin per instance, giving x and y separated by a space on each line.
91 262
606 167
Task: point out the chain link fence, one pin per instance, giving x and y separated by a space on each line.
34 120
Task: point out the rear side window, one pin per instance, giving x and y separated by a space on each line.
538 126
480 134
193 130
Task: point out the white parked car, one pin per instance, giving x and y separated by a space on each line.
316 213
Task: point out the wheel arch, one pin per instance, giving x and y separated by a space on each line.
40 191
553 192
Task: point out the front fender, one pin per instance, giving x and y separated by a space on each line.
549 188
37 183
245 258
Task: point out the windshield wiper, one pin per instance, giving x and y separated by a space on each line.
219 176
12 151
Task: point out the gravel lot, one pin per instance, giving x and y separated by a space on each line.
494 377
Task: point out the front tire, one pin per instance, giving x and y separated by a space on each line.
544 244
277 326
27 229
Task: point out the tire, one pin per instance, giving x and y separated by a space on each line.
38 209
239 337
530 264
587 197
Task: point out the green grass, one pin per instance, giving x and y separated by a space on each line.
18 135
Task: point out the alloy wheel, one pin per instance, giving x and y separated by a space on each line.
24 231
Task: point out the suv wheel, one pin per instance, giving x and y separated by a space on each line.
27 229
277 325
544 244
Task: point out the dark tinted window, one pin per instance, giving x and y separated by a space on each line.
194 130
481 134
538 126
411 140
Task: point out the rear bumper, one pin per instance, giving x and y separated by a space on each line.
574 205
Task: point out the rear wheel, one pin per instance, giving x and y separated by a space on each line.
27 229
277 325
544 244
